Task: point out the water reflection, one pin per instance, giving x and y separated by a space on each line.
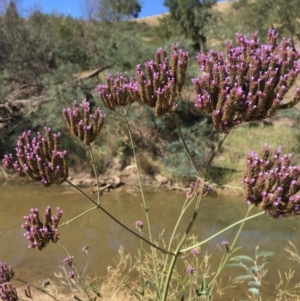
105 237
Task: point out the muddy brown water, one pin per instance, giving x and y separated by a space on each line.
105 237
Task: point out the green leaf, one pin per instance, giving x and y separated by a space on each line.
242 278
242 258
265 254
182 298
254 291
234 265
255 269
254 283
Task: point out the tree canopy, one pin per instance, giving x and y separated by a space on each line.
192 17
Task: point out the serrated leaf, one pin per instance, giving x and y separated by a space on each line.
254 290
265 254
242 258
234 265
254 283
242 278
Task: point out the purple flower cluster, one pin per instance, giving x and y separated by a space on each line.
190 270
161 81
68 260
39 158
139 225
195 188
194 251
118 92
250 83
271 183
7 290
79 122
6 272
40 234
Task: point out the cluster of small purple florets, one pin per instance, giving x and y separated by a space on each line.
271 183
7 291
195 188
79 123
250 84
40 234
118 92
161 81
157 86
39 158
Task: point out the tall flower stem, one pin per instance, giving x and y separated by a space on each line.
222 231
77 274
145 205
184 144
193 218
78 216
225 260
184 207
118 222
96 174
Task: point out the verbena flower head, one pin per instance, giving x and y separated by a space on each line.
71 274
190 270
139 225
39 158
6 272
195 188
81 123
195 251
250 83
161 81
271 183
118 92
40 233
8 292
68 260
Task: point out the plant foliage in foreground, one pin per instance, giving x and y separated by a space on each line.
247 85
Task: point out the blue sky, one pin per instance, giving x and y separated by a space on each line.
149 7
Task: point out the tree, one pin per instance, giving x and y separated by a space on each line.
281 15
112 10
192 17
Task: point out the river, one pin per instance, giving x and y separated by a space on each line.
104 236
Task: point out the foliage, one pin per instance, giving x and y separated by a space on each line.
112 10
279 14
192 17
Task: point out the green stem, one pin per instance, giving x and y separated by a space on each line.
185 206
145 205
77 274
78 216
210 285
117 221
222 231
96 174
212 156
94 271
184 144
37 288
193 218
140 263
